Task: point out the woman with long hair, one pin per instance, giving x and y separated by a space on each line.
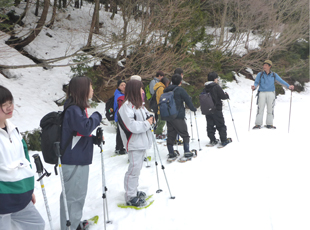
79 154
16 176
135 129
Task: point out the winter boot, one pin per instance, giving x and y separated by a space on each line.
122 152
214 142
186 147
270 127
84 225
229 140
141 195
136 201
256 127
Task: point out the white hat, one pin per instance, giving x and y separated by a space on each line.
135 77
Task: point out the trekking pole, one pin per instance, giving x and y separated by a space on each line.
232 120
162 166
40 170
104 188
190 114
57 151
158 190
251 110
289 119
197 131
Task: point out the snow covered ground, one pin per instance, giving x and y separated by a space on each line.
259 182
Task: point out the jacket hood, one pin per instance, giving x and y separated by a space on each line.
170 88
210 84
159 84
9 126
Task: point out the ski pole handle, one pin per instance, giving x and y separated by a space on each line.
38 163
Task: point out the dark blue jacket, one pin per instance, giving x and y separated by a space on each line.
80 150
181 96
117 94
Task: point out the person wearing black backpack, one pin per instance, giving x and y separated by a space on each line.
79 154
178 125
159 90
16 176
119 92
215 121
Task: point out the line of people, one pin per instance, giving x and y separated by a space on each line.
133 136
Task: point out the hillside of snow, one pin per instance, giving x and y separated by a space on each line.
260 182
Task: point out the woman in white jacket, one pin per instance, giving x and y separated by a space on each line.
135 129
16 176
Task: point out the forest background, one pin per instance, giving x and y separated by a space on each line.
199 36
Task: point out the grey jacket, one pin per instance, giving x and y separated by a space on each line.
152 84
135 130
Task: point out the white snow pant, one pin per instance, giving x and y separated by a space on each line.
131 181
76 181
263 99
25 219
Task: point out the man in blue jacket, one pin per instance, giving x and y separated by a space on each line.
120 91
266 94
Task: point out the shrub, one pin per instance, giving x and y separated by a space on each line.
33 139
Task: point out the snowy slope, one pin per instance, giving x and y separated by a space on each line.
260 182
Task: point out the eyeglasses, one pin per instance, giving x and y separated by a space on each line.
7 105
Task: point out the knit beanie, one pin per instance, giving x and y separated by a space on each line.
120 82
135 77
212 76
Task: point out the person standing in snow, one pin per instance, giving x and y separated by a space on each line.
266 94
119 92
16 176
216 120
79 154
135 129
159 76
178 125
159 89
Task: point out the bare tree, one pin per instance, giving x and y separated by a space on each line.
93 23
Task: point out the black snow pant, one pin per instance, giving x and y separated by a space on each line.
216 122
177 126
119 142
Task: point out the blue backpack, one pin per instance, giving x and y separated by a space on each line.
167 107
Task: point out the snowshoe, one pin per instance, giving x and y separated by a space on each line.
188 156
223 144
172 157
213 143
257 127
147 203
270 127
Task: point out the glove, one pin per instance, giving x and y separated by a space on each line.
98 138
227 95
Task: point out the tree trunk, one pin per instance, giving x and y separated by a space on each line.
51 24
223 24
25 11
38 28
77 4
93 23
36 13
64 3
97 20
59 4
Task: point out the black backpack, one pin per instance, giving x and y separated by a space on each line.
153 102
109 109
206 103
51 125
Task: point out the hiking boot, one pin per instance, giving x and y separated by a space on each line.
214 142
172 155
136 201
188 154
141 195
122 152
256 127
84 225
229 140
270 127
